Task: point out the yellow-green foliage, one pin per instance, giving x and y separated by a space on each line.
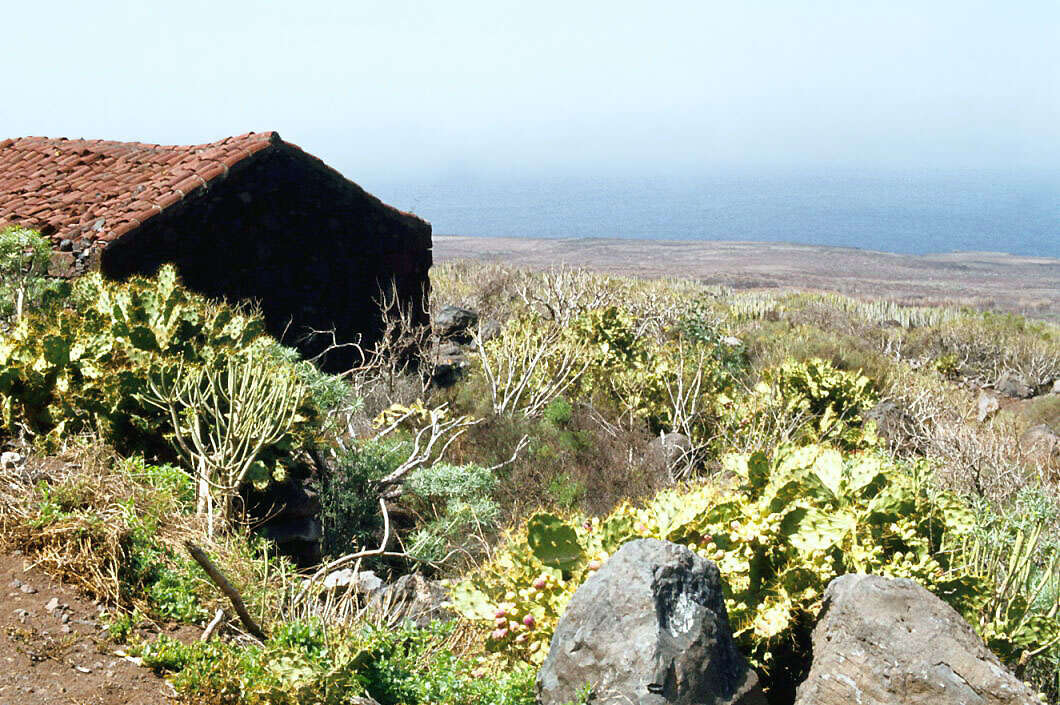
81 366
530 363
831 400
984 347
796 520
84 364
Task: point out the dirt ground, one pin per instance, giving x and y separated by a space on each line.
987 280
53 650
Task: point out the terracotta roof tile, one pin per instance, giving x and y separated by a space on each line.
72 184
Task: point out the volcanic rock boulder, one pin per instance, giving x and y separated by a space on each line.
1015 386
649 628
455 323
412 598
888 641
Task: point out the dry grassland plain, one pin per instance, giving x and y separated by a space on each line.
986 280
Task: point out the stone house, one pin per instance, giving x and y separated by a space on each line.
249 218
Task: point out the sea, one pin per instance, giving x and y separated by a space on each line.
909 213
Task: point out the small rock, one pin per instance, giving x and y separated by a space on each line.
413 598
364 582
489 330
450 363
28 589
1041 441
53 604
65 629
670 448
988 405
65 619
16 583
1056 387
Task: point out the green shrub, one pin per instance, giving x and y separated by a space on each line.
456 502
796 520
171 584
304 662
531 362
981 348
109 529
89 365
1017 549
699 324
84 366
349 514
558 412
565 491
681 387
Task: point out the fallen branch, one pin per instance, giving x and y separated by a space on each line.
212 626
230 592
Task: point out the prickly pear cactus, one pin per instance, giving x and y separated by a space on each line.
554 542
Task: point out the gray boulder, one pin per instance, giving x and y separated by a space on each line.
450 364
455 323
412 598
892 422
888 641
364 582
649 628
670 448
1013 385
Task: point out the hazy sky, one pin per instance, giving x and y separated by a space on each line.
382 89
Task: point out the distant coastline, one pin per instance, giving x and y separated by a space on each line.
1023 284
910 213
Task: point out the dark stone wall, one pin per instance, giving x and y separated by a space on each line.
288 232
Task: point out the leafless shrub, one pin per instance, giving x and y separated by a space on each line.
528 366
932 419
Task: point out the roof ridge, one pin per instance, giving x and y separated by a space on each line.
271 136
80 189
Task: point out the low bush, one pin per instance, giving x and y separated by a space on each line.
100 363
454 503
831 401
979 349
305 662
349 515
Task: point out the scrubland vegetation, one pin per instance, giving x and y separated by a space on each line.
788 437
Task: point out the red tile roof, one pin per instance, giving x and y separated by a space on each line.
94 191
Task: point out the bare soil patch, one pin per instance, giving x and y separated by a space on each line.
53 650
986 280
